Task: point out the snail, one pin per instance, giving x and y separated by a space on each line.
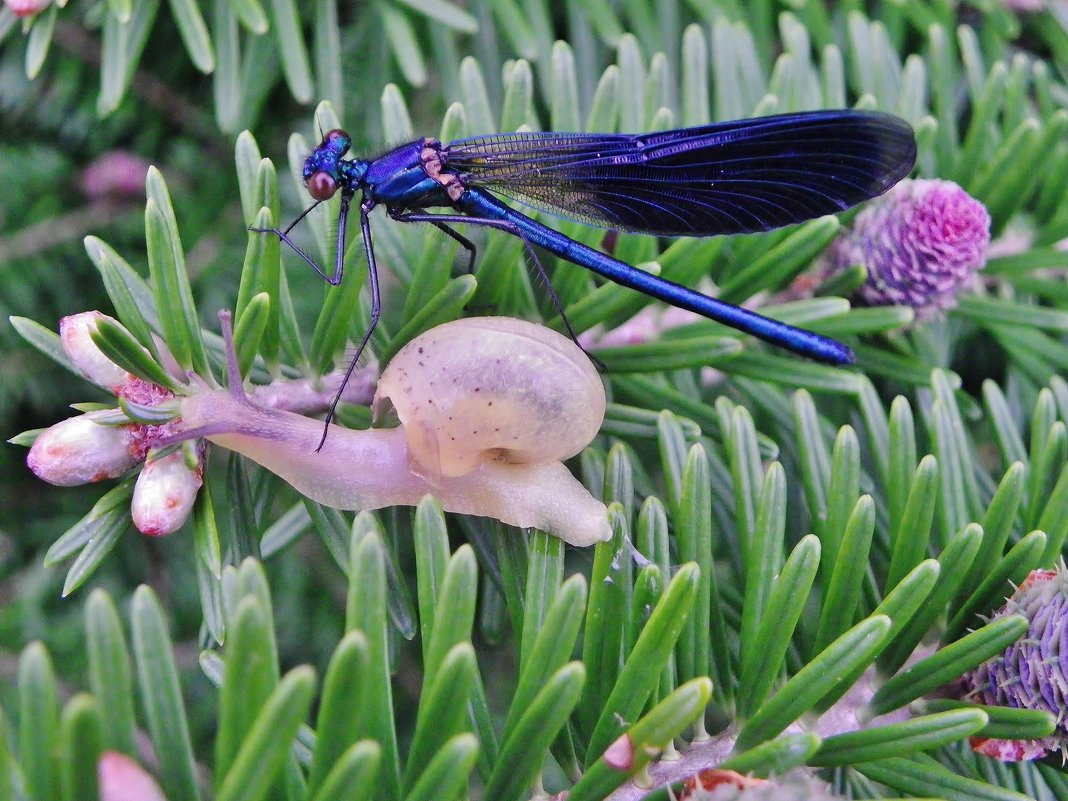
491 388
489 407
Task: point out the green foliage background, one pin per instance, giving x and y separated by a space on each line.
932 477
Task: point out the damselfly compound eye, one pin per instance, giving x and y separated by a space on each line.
321 186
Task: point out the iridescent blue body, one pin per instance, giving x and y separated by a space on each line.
729 177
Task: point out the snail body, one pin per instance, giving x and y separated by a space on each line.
488 408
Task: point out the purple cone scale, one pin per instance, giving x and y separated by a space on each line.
1032 673
921 243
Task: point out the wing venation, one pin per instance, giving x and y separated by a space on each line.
731 177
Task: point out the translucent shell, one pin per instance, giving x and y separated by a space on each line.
491 389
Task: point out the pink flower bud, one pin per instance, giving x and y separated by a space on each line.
79 450
75 332
164 494
620 754
1032 673
117 174
27 8
922 243
122 779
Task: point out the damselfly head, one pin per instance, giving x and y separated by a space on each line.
322 166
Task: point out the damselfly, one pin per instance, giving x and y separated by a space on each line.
724 178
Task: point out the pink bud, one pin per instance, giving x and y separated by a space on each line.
117 173
122 779
620 754
79 451
76 334
164 494
27 8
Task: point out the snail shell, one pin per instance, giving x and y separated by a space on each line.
491 388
